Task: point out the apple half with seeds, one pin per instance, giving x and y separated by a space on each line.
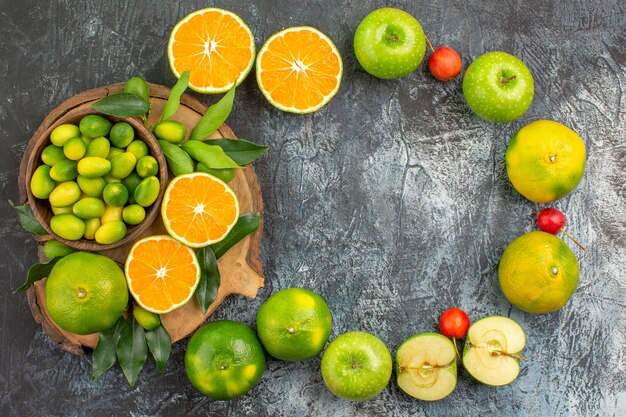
492 350
426 366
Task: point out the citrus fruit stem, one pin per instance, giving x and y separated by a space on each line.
429 44
574 240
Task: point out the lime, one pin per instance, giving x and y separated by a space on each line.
41 185
113 152
171 131
94 126
294 324
224 359
63 133
64 170
115 194
110 232
93 167
146 319
538 272
122 134
91 186
545 160
147 191
138 148
61 210
122 165
133 214
99 147
88 208
111 214
65 194
131 182
147 166
52 154
91 227
53 248
74 149
67 226
86 293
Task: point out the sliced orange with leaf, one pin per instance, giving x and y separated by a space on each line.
299 69
215 45
162 273
199 209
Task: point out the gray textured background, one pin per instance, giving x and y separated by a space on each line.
392 201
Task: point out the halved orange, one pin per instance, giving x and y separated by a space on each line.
215 45
299 69
162 273
199 209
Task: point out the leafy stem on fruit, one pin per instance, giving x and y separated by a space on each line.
496 352
574 240
504 80
429 44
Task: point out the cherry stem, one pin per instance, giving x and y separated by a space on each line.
429 44
456 349
574 240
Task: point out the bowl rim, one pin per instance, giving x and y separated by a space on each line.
34 161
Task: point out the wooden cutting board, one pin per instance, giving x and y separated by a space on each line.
240 268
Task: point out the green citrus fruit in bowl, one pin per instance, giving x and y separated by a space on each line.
538 272
224 359
294 324
545 160
86 293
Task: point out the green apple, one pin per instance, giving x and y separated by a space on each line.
356 366
389 43
492 350
498 87
426 366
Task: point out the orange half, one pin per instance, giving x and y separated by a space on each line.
162 273
199 209
215 45
299 69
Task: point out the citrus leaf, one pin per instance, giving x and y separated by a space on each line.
206 291
214 117
178 161
122 105
212 156
27 219
132 349
160 344
37 272
139 87
241 151
246 224
173 101
103 356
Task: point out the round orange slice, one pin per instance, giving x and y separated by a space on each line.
199 209
215 45
299 69
162 273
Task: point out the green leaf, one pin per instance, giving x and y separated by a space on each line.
37 272
160 344
210 155
241 151
103 356
132 349
27 219
173 101
206 291
178 161
246 224
139 87
214 117
122 105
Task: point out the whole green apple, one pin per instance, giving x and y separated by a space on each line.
389 43
498 87
356 366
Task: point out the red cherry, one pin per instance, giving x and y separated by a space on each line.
454 322
550 220
445 63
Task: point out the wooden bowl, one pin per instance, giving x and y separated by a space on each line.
43 211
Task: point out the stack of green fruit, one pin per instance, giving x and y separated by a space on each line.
97 178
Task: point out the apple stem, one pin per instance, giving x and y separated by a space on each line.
429 44
456 349
574 240
505 80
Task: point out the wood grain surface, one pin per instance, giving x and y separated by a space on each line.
392 202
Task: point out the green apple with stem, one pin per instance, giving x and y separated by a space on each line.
389 43
426 366
492 350
356 366
498 87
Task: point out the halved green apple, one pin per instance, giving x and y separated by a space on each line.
426 366
492 347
